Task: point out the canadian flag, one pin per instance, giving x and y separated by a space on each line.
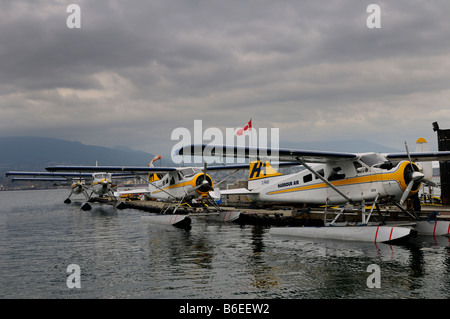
247 127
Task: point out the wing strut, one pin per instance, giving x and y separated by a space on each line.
154 184
323 179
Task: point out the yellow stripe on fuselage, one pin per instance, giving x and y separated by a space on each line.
103 180
175 186
397 176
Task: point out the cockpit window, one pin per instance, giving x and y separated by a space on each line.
336 174
102 175
188 172
372 159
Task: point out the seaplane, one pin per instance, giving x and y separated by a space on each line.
100 185
175 186
335 178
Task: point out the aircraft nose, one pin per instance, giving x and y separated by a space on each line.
417 176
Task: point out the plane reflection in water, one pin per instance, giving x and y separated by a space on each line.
211 260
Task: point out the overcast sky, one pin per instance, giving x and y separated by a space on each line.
136 70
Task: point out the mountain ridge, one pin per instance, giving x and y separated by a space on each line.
35 153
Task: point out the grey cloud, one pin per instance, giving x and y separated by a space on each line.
142 67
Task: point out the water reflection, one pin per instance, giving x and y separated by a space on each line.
337 269
247 260
121 256
264 275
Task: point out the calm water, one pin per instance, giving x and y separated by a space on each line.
122 257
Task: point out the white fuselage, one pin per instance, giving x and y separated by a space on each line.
355 179
101 184
183 183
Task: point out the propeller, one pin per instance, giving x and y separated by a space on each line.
424 180
414 175
205 183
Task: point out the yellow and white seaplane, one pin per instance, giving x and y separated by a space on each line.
100 185
335 178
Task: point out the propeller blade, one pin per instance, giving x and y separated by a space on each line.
202 184
205 180
415 177
407 151
429 182
409 156
204 173
406 192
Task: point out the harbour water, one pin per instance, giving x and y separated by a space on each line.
120 256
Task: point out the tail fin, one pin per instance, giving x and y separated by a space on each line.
259 170
425 167
153 177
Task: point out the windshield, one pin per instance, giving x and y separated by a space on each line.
187 172
102 175
372 159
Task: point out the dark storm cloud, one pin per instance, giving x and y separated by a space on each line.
140 67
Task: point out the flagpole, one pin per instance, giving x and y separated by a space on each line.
253 137
251 142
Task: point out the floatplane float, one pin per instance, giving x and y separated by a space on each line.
336 178
184 220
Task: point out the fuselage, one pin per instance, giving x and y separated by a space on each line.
77 187
186 182
369 177
101 184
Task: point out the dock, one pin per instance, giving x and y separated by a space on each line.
290 216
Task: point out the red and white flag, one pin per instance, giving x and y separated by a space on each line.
248 127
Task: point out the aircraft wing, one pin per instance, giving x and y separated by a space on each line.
246 166
48 176
39 179
420 156
53 176
95 169
280 154
127 170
